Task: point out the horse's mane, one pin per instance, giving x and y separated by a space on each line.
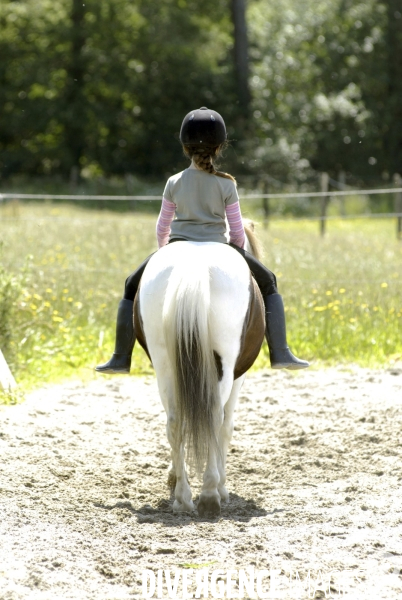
249 228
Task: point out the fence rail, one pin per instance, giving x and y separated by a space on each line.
325 197
77 197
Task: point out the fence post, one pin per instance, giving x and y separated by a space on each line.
398 205
342 186
324 202
265 203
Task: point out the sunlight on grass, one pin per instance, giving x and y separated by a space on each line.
342 293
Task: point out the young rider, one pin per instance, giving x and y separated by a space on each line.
194 206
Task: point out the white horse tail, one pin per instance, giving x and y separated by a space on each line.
188 340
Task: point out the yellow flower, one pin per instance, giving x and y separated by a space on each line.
384 285
342 290
352 320
49 291
57 319
328 293
320 308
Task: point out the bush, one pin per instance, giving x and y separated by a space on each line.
10 290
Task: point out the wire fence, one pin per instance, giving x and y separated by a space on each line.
324 197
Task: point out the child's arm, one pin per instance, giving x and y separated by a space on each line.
163 223
237 235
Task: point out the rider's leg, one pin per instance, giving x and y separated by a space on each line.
280 354
125 334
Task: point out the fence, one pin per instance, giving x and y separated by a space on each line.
324 196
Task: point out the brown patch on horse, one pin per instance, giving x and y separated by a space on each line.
138 324
253 331
219 368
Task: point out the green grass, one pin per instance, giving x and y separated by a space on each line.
343 293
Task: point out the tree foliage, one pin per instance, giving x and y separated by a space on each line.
100 87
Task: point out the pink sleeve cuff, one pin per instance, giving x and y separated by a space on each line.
164 220
237 235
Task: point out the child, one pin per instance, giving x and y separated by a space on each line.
198 198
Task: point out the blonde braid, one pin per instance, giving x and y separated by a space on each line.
204 159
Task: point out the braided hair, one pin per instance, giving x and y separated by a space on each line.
203 158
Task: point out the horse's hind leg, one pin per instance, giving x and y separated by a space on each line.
213 489
225 435
177 473
210 500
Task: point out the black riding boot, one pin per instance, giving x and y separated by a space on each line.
125 339
281 356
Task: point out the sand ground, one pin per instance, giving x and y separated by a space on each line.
314 473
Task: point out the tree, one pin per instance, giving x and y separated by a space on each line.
241 54
393 106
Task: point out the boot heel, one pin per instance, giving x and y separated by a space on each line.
125 340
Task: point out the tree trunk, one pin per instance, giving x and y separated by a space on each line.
241 53
393 138
74 109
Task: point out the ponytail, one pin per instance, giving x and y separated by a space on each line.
204 159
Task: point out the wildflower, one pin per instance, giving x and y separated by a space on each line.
342 290
384 285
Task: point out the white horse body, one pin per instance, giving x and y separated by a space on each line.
194 302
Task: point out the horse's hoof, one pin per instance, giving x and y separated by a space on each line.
209 506
179 507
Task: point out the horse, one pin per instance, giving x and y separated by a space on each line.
199 315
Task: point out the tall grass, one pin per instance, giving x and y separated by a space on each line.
343 293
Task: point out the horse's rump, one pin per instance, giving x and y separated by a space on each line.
251 338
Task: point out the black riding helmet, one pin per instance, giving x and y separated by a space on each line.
203 127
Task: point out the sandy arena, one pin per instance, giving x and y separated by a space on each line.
314 472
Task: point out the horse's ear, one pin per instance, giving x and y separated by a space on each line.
249 224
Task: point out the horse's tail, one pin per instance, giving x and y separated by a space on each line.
188 340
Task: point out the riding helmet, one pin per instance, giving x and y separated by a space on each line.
203 127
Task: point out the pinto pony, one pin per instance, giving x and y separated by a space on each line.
199 315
